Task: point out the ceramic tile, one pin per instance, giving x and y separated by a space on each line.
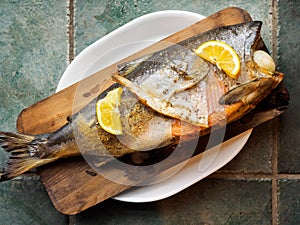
33 54
256 155
95 19
33 44
289 202
210 201
26 202
288 62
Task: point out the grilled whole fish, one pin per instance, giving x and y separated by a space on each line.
166 95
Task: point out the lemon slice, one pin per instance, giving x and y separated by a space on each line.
107 111
222 55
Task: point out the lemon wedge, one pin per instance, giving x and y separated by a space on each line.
222 55
107 111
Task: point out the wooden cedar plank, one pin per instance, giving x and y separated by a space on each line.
71 188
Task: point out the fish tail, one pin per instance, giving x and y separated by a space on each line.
21 148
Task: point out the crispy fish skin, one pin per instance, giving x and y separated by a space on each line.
155 124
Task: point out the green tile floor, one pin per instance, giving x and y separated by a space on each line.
38 39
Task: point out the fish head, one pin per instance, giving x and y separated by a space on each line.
262 79
258 75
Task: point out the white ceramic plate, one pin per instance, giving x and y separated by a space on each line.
125 41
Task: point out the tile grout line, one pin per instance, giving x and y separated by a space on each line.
261 176
274 31
71 55
274 125
275 176
70 30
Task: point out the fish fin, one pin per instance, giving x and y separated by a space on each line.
248 92
21 159
159 105
127 67
132 87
